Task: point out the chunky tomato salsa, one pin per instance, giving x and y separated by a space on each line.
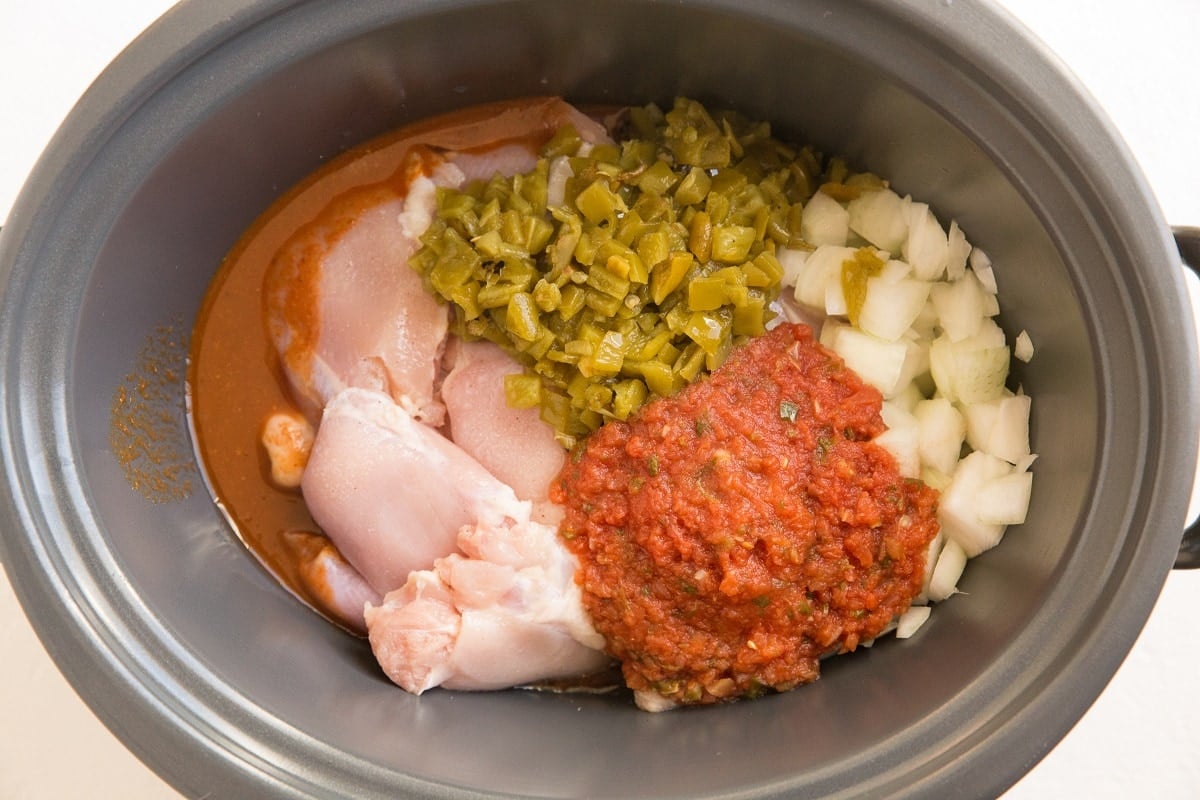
732 535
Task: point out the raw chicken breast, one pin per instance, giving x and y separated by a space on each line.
528 120
505 612
509 159
390 492
484 596
512 443
342 306
337 588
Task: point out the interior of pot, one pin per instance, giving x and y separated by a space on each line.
227 685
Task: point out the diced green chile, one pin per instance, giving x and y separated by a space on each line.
659 259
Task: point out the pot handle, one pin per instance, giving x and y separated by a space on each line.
1188 241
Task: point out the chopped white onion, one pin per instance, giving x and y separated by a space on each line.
980 419
942 430
981 265
911 620
1009 437
896 415
878 216
971 371
991 305
1023 347
821 268
926 338
926 246
829 331
893 269
960 306
1005 500
888 366
825 221
931 556
891 307
556 180
958 510
908 397
958 249
935 479
903 443
835 298
949 568
792 260
927 322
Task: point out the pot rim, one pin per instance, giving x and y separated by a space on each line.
104 649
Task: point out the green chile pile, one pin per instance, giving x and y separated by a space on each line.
618 273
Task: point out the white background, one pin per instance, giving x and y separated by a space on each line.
1139 58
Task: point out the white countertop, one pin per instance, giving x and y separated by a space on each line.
1140 59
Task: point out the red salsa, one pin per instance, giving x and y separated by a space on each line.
732 535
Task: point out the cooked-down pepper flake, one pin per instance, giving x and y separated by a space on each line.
757 542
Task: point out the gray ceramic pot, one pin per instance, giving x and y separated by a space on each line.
230 688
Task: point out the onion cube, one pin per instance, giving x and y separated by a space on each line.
958 249
911 620
908 397
903 443
1009 436
1005 500
941 431
888 366
981 265
829 332
825 221
822 267
1000 427
835 298
1023 347
793 262
931 556
926 246
959 306
949 568
958 511
878 216
980 419
891 307
970 371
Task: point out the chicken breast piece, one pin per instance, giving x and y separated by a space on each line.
336 588
512 443
390 492
342 306
508 159
504 612
478 594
